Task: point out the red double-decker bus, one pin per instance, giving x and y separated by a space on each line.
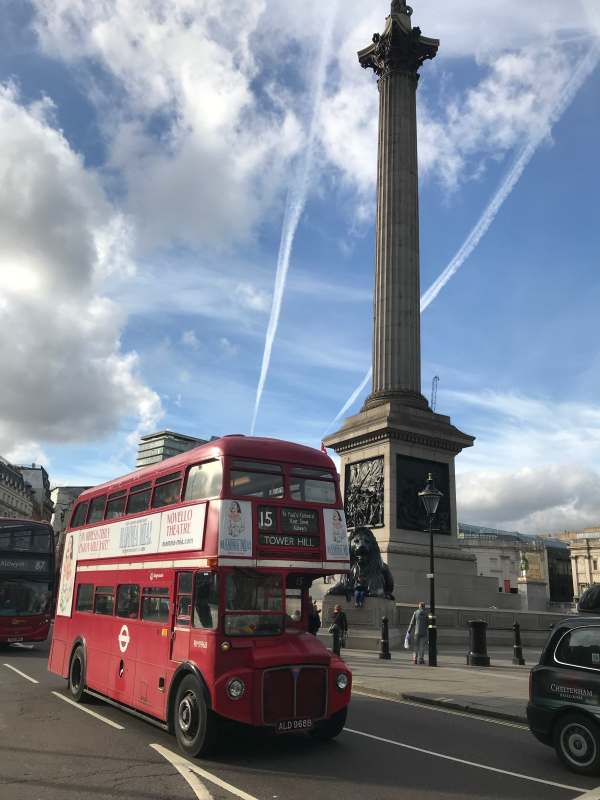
27 580
184 591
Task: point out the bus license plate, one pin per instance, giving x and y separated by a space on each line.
14 639
293 726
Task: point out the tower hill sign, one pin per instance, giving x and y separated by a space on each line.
388 448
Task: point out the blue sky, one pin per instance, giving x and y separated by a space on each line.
148 153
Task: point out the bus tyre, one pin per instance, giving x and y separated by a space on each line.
332 727
577 743
77 674
194 723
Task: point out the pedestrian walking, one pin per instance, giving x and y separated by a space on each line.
418 630
339 628
314 619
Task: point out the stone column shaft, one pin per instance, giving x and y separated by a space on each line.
396 328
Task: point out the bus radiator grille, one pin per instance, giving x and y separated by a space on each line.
294 693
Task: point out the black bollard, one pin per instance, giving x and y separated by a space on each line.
478 656
517 648
384 644
337 640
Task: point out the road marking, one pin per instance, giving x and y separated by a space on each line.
467 763
185 769
184 766
593 794
89 711
426 707
22 674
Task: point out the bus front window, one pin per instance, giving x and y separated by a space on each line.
256 601
24 598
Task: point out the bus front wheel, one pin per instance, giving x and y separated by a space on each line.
77 674
332 727
195 724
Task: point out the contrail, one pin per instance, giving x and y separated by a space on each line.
583 70
296 200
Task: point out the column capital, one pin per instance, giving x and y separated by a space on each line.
400 46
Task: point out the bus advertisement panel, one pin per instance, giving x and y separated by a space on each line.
185 591
26 580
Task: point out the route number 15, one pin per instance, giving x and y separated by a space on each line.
266 518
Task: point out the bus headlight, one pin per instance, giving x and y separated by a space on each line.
341 681
236 688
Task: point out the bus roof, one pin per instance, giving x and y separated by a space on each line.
23 521
253 447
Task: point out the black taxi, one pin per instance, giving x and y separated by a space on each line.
564 693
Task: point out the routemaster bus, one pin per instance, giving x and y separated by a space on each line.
27 579
184 591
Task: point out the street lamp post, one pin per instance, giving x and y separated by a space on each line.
430 497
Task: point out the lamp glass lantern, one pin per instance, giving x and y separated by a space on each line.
430 496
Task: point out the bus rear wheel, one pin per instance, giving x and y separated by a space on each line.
77 674
332 727
194 723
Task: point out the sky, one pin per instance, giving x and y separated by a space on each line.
187 198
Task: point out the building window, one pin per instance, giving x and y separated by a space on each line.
595 564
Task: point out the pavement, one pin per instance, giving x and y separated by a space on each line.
498 691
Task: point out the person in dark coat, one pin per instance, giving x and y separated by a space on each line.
314 620
340 621
361 590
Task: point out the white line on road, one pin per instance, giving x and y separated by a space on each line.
22 674
453 712
467 763
89 711
181 763
593 794
185 769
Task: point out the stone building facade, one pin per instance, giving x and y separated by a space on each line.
37 477
155 447
537 568
16 496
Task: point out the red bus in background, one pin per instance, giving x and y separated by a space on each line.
27 580
184 592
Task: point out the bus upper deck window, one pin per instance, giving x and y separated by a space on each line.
256 479
312 485
204 481
116 504
167 490
79 515
96 512
139 498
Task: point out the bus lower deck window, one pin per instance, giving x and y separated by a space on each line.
128 600
155 604
85 597
104 600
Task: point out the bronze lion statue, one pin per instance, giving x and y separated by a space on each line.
366 564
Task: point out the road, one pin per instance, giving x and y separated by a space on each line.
52 750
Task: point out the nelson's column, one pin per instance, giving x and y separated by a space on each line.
389 447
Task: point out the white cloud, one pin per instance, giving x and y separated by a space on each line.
64 375
228 348
535 464
549 498
189 339
201 154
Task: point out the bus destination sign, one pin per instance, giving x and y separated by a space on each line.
288 527
23 564
299 520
